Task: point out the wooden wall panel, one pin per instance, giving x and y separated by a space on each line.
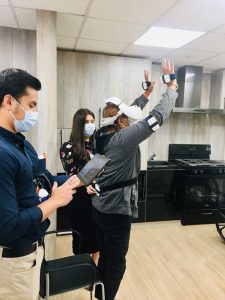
24 50
18 50
6 46
85 80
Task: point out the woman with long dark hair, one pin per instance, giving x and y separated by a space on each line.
74 155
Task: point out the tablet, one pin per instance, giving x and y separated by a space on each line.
92 169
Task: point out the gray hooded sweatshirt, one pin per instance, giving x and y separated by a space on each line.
123 150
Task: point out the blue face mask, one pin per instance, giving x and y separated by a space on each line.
28 122
89 129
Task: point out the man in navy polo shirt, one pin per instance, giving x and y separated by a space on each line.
23 218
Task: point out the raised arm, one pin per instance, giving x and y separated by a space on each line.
143 99
163 109
133 135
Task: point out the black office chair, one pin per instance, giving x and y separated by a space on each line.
220 229
69 273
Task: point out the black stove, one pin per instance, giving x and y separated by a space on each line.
201 187
202 166
195 158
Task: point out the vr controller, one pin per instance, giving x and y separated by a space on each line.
146 85
168 78
164 79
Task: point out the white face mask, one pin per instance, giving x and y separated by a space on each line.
109 120
89 129
28 122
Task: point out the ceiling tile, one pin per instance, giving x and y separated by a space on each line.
216 61
66 6
209 42
111 31
100 46
209 68
133 11
4 2
153 52
68 25
200 15
65 42
26 18
6 17
186 56
220 29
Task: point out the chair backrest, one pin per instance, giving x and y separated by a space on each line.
67 273
70 273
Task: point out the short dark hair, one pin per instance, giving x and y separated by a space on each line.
15 81
110 110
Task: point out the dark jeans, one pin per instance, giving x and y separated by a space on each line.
114 235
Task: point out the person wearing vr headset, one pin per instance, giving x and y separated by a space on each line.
123 129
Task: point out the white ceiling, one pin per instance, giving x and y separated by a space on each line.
112 26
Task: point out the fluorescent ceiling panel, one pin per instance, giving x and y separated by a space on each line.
167 37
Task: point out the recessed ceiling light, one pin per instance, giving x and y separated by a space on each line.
167 37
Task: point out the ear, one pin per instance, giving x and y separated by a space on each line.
7 102
119 121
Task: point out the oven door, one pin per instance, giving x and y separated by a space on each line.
204 198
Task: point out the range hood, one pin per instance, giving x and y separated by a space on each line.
190 79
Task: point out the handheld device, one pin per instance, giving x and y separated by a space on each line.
92 169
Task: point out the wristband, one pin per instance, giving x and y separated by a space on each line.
168 78
146 85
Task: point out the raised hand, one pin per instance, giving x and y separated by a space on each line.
167 67
147 77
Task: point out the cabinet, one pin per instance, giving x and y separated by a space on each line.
142 192
203 195
161 203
